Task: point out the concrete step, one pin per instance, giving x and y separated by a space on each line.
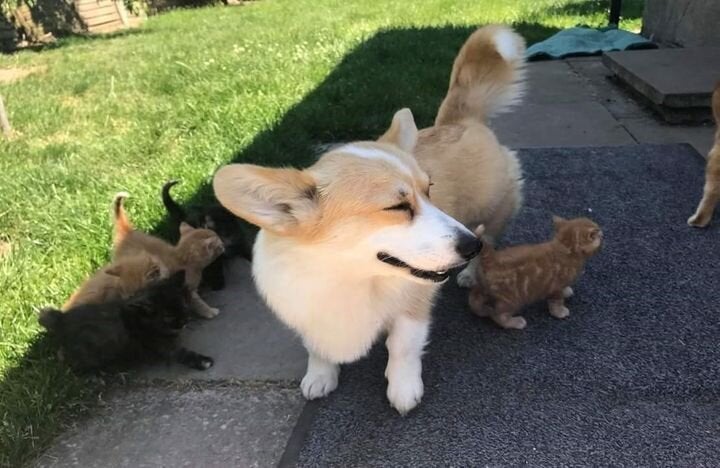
677 83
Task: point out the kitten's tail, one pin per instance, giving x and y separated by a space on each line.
176 212
123 227
50 318
487 76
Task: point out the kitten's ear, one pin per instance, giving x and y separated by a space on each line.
283 201
185 228
209 223
114 270
558 221
403 132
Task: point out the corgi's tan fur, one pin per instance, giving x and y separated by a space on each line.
357 244
711 190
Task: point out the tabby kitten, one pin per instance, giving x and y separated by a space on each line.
217 218
511 278
196 249
118 280
711 191
126 331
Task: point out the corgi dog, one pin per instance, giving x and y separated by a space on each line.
358 244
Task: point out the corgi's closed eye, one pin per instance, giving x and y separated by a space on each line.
402 206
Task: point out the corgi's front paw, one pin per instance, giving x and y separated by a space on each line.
319 383
405 386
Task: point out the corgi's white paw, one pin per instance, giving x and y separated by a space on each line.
318 383
405 385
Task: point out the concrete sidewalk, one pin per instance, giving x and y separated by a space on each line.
241 412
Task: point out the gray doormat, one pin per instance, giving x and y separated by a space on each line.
632 377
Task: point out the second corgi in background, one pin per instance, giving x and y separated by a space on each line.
711 191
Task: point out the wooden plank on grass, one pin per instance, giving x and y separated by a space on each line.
102 19
106 28
91 10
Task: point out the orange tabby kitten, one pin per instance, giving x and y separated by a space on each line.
118 280
511 278
196 249
711 192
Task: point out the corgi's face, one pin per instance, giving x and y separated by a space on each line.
366 204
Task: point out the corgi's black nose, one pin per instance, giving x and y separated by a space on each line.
468 245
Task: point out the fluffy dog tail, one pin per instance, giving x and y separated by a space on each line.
176 212
123 227
50 318
487 76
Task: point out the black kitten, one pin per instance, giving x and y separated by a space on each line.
216 218
145 326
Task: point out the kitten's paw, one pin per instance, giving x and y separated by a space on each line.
568 292
209 312
405 392
205 363
559 312
200 362
466 278
514 323
319 383
698 220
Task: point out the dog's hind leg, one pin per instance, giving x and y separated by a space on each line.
405 344
321 377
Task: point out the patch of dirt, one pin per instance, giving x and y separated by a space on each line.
10 75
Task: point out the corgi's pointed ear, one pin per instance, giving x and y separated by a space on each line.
283 201
558 221
403 132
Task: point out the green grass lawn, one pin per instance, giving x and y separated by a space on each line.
187 92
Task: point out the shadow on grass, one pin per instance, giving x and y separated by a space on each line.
391 70
37 398
394 69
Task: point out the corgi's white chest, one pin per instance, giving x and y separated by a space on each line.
338 318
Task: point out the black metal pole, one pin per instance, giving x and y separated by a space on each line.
615 6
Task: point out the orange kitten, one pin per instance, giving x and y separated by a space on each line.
711 192
118 280
512 278
195 250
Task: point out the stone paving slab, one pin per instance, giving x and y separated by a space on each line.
601 86
559 124
669 77
649 130
221 426
246 341
554 82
